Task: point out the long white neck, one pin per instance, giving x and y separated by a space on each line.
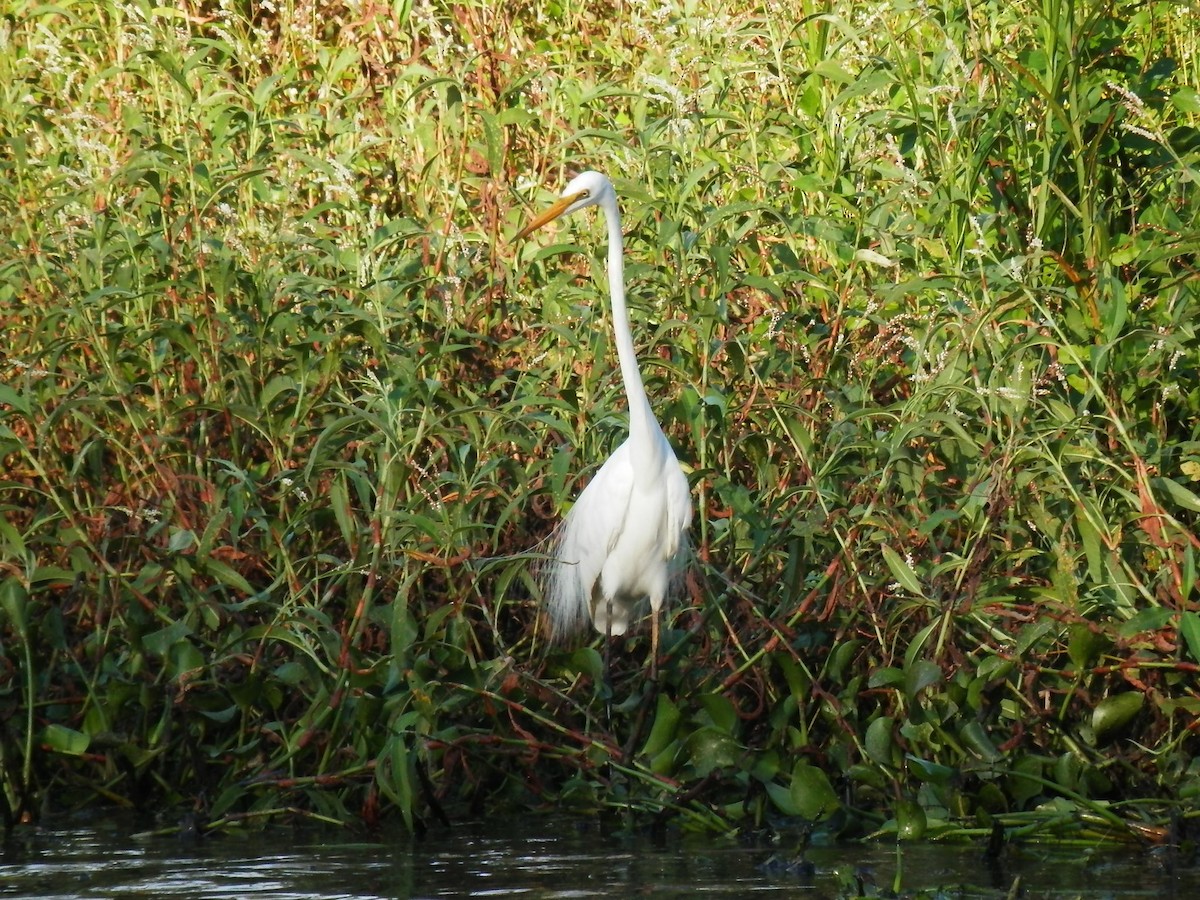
642 423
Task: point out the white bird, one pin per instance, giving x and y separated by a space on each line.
625 539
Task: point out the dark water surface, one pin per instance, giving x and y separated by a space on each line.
544 858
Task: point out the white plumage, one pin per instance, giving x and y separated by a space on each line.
625 539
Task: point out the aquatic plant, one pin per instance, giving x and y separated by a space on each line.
284 416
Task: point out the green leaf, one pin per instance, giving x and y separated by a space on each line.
1090 537
159 642
927 770
812 794
1152 618
710 748
1189 627
184 658
902 571
782 798
1025 779
1112 713
12 543
978 742
887 676
920 675
182 540
1178 493
1186 99
910 820
227 576
13 598
61 739
720 710
10 397
666 718
880 745
393 772
1086 645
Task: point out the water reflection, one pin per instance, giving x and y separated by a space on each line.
545 859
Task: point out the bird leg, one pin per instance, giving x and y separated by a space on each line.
608 647
654 645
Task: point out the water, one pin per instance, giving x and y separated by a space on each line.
558 858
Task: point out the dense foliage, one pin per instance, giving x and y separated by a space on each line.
284 415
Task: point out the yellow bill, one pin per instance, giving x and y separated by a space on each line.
555 210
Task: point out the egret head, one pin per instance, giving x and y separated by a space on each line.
585 189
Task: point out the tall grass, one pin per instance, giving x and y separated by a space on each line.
285 416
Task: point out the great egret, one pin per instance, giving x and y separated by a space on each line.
626 536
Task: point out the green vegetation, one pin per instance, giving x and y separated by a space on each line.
284 415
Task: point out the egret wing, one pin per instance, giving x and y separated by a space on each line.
584 540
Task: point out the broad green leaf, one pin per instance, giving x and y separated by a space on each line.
225 574
927 770
1186 99
902 571
976 739
13 599
812 794
184 658
1113 712
182 540
12 542
1178 493
711 748
587 661
782 798
61 739
1150 619
1025 779
920 675
160 641
911 821
666 718
393 774
1089 536
720 710
1189 627
879 744
887 676
1085 645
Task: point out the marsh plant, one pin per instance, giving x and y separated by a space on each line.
285 416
